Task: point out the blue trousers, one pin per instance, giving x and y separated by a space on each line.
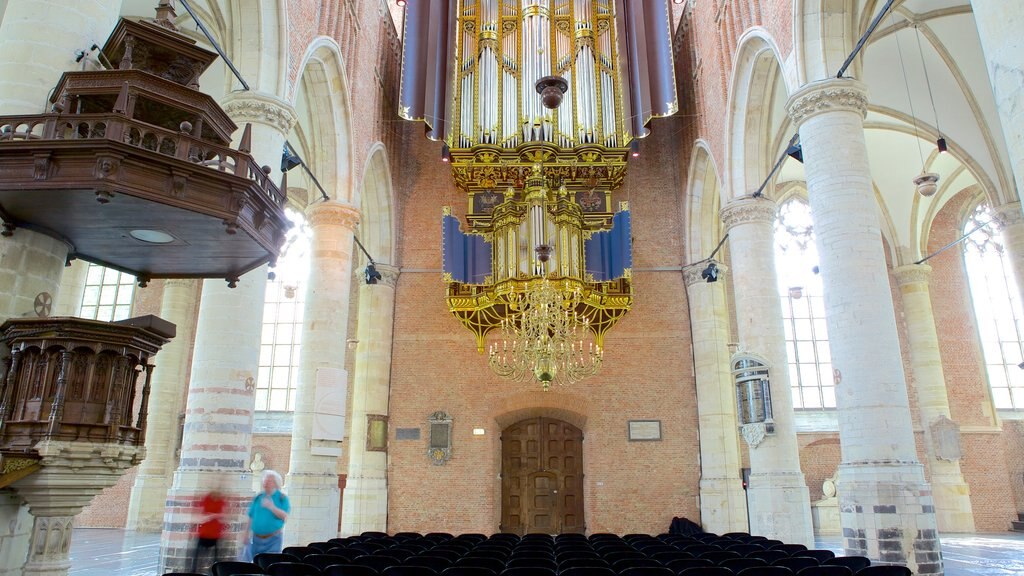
272 544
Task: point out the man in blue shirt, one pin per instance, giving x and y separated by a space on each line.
267 514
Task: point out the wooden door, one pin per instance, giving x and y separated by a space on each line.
542 477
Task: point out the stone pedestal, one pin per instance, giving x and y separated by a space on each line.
366 489
723 503
885 502
312 474
778 501
153 478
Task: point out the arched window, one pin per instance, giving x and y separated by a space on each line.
997 308
282 320
108 294
803 308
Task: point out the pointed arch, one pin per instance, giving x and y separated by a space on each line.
323 134
377 204
757 120
703 200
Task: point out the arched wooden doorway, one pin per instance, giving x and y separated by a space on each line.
542 477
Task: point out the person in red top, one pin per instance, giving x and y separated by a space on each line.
211 527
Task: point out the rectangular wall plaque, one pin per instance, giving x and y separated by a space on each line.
407 434
376 433
644 430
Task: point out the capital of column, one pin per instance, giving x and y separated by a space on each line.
333 213
692 273
388 275
748 210
261 108
912 274
1008 214
832 95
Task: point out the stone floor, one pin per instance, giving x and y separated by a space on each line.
102 552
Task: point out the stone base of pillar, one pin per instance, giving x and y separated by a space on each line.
147 504
723 505
780 507
15 530
315 500
177 540
952 496
365 506
48 550
887 514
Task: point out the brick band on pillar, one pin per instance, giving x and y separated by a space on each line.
723 506
366 490
779 503
312 475
886 508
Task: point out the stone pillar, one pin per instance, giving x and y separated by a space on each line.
153 478
366 489
723 504
15 528
999 25
952 496
885 503
68 301
313 472
38 40
777 497
217 437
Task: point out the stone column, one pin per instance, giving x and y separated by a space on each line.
15 529
942 436
38 40
999 27
170 378
777 496
320 393
723 504
217 437
885 503
68 301
366 489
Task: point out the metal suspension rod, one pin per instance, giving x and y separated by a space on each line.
864 38
216 46
953 243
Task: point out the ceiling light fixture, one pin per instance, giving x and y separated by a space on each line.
400 3
151 236
634 148
446 153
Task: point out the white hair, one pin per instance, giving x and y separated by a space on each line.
272 474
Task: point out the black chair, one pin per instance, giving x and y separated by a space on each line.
680 564
647 571
436 563
265 559
768 556
439 536
322 561
825 570
232 568
300 552
767 544
404 570
736 535
504 537
744 549
494 564
587 571
620 565
532 563
705 571
452 554
636 536
885 571
796 563
376 561
718 556
372 534
407 535
854 563
528 571
665 557
822 556
765 571
582 563
293 569
576 553
613 557
737 564
399 553
349 570
792 549
605 536
323 546
468 571
486 551
698 549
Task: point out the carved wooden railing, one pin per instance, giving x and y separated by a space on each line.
72 379
119 128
